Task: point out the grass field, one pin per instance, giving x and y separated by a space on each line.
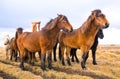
108 59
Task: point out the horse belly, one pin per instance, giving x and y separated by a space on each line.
31 46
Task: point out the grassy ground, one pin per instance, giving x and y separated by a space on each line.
108 59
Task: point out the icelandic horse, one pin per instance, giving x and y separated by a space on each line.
35 26
83 37
43 40
7 45
13 44
93 49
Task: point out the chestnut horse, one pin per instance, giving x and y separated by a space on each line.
13 44
83 37
35 26
93 48
43 41
73 50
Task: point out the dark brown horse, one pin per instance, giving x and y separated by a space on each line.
93 48
13 44
43 41
83 37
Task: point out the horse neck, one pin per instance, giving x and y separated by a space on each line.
53 33
91 30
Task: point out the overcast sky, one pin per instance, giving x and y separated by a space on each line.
20 13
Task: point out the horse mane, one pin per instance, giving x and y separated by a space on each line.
86 25
16 34
50 25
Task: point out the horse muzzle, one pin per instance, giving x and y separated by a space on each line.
68 30
106 25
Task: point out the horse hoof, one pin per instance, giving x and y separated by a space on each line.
50 67
63 64
43 68
72 60
94 63
84 68
55 60
77 61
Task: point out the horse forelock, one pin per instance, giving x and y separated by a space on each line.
20 29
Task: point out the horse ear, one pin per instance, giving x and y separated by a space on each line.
61 18
96 12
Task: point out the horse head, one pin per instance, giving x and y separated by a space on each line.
18 32
63 23
6 39
99 19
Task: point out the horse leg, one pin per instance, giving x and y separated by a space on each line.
94 57
54 52
77 60
43 57
16 56
84 52
62 55
22 56
39 53
83 61
86 56
7 54
72 54
11 54
50 59
33 58
68 55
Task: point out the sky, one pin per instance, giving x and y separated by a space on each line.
20 13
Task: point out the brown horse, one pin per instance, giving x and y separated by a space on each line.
13 44
43 41
83 37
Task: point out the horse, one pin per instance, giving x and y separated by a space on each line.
83 37
43 40
35 26
7 45
13 44
93 48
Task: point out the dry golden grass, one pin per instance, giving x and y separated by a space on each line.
108 59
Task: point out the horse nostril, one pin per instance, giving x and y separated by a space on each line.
107 25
